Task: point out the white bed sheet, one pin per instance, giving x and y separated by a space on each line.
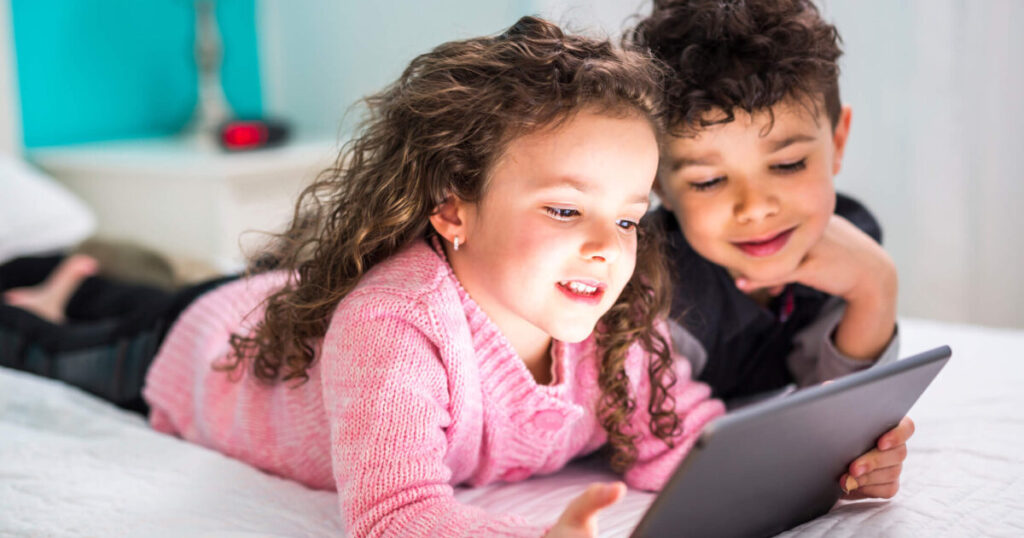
72 465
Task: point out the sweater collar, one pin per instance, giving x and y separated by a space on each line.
488 337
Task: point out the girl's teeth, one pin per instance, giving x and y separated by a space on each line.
582 288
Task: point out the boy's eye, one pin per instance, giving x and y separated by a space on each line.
705 185
627 225
561 213
788 168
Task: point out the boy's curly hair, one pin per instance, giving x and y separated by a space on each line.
435 133
745 54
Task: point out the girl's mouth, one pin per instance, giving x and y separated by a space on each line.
588 292
765 247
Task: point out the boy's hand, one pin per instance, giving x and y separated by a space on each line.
877 473
579 520
847 263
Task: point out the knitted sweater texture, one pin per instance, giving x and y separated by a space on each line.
414 391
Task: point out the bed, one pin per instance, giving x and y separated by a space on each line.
72 465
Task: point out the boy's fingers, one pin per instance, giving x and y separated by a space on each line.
898 435
881 483
747 284
596 497
886 475
877 459
881 491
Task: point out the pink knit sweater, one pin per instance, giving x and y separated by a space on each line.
414 391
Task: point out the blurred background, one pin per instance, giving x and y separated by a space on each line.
96 93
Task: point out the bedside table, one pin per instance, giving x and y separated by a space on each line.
182 199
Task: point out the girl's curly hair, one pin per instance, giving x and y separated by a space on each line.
435 133
746 54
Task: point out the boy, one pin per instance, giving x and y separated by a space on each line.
779 279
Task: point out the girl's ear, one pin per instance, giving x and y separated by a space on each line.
449 219
839 138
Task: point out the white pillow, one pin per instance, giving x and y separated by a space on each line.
38 215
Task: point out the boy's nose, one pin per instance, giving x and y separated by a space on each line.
753 204
602 243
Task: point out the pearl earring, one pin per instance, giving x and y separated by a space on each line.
456 242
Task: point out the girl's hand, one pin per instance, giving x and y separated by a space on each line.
579 520
877 473
847 263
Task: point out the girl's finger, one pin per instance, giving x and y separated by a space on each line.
584 508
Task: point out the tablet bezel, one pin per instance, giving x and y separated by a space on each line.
753 417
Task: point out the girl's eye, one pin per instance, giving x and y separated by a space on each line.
789 168
627 225
705 185
561 213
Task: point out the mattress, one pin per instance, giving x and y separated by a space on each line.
72 465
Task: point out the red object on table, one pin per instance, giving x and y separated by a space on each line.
240 135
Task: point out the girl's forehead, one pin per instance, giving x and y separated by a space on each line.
587 151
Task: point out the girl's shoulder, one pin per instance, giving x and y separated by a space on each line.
415 272
414 283
238 300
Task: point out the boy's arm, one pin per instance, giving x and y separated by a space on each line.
848 263
815 357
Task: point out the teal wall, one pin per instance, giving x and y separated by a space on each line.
93 70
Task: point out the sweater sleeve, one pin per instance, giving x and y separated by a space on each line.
386 395
815 357
693 403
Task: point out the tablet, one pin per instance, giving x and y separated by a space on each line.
775 464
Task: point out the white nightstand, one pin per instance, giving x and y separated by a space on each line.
181 199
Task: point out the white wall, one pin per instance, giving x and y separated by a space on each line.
608 18
936 150
10 116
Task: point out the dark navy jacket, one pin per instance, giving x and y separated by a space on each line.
747 348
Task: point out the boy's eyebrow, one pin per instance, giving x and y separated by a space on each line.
776 145
684 161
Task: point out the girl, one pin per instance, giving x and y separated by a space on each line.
460 304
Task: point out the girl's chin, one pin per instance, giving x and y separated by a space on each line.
575 334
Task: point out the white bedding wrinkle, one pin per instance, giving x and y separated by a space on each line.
71 464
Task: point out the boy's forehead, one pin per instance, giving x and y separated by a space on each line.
781 121
791 113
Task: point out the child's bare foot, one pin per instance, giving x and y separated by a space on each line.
48 300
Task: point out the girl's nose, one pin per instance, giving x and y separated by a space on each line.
602 243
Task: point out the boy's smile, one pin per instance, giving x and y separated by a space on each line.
765 246
751 195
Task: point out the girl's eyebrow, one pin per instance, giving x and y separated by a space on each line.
584 187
